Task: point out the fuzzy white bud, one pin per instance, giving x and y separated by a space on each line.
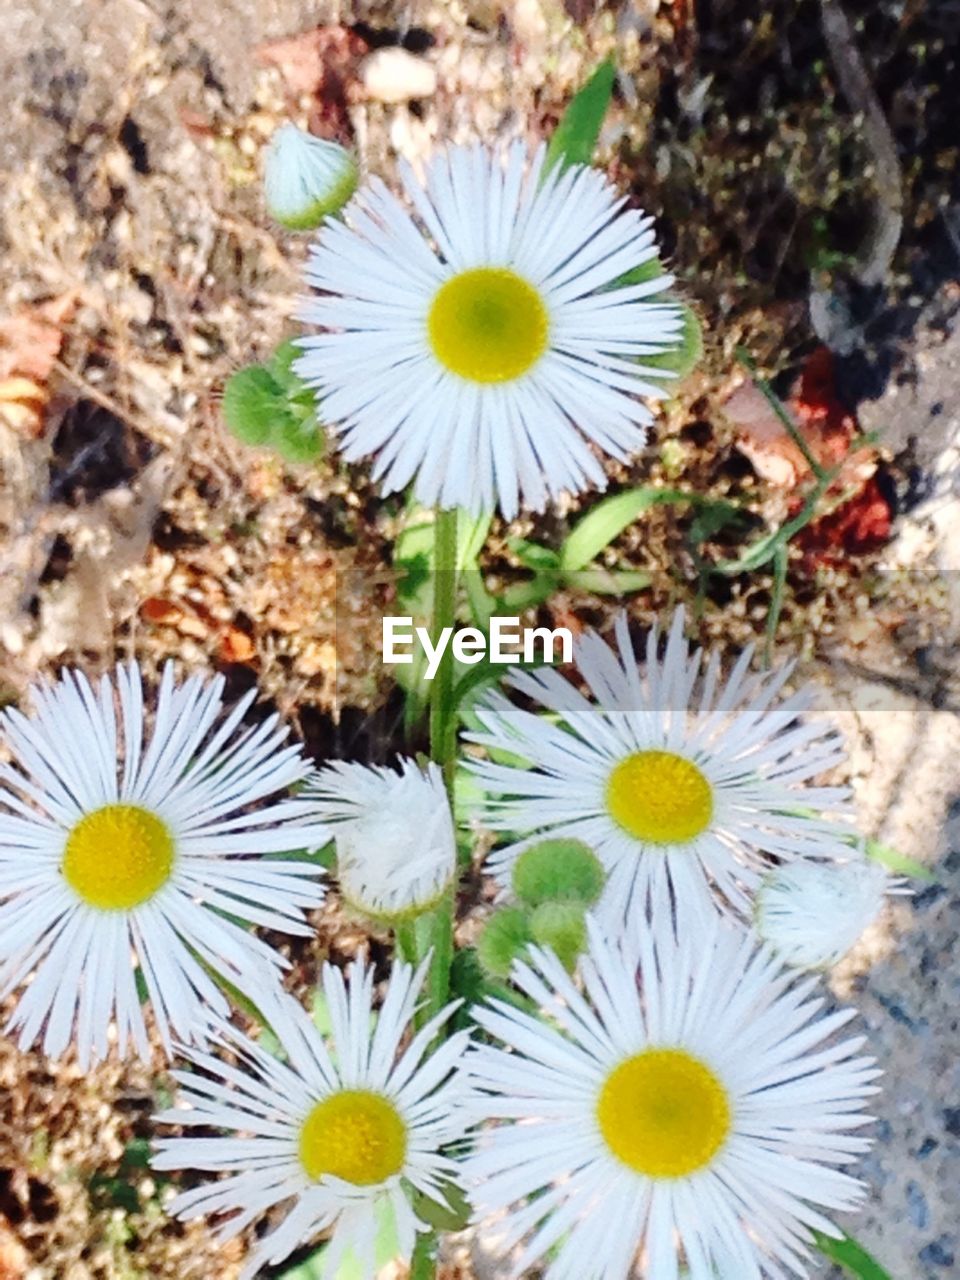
396 848
812 913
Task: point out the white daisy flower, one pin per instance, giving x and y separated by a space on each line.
115 842
396 847
695 1109
339 1134
305 178
676 778
811 914
484 345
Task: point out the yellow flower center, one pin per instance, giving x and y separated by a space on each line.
488 325
354 1135
118 857
660 797
664 1113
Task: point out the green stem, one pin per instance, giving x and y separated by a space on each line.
764 549
441 940
443 741
405 937
443 724
424 1261
781 562
434 932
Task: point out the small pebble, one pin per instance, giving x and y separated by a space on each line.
394 75
917 1206
927 897
938 1252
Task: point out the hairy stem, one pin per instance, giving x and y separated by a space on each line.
434 932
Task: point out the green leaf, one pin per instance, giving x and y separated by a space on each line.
413 553
108 1192
252 404
475 680
608 519
299 395
714 514
482 604
310 1269
271 406
534 554
466 976
472 685
852 1256
898 862
608 582
471 535
575 137
527 593
451 1216
136 1154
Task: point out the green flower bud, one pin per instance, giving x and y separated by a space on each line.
561 927
270 405
559 870
305 179
505 936
252 404
681 359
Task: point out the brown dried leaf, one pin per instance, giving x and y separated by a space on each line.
21 406
820 419
762 437
30 340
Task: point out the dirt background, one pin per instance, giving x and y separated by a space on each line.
804 174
